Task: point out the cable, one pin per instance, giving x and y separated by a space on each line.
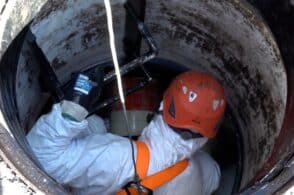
118 76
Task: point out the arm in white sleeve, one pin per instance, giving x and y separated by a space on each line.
72 157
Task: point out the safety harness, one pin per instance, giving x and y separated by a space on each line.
148 183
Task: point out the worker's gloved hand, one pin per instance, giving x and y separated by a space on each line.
82 93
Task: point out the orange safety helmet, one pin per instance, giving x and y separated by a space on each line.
194 101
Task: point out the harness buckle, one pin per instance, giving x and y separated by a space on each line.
132 187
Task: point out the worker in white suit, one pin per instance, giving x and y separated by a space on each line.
79 152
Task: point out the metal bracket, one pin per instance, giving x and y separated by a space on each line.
152 53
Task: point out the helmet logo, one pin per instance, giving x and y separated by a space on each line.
171 109
192 96
215 104
185 89
222 102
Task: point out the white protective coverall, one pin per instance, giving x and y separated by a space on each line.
92 161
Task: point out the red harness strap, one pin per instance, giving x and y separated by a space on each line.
153 181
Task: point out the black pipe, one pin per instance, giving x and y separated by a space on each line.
47 74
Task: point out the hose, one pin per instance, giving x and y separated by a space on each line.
119 81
